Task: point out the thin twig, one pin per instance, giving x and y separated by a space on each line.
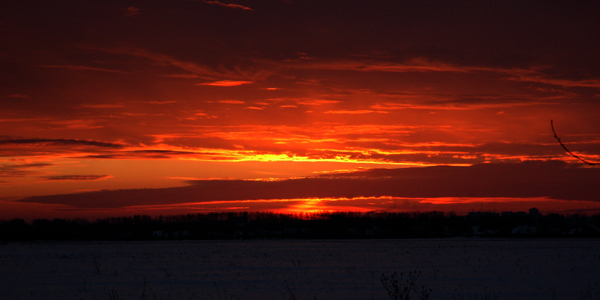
571 153
289 291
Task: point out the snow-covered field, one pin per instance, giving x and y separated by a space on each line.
313 269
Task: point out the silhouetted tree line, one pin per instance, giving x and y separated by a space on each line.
338 225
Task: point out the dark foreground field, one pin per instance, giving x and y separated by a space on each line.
301 269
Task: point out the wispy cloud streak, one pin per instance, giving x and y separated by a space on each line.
229 5
195 68
353 112
555 180
61 142
226 83
83 68
21 169
75 177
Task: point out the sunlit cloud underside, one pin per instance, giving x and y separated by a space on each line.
459 206
169 95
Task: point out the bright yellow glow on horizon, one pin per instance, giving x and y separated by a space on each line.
460 205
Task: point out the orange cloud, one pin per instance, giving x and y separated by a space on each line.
162 102
352 112
316 101
442 185
102 105
231 101
192 67
20 169
226 83
414 65
61 142
24 120
457 105
230 5
592 83
82 68
75 124
76 177
184 76
304 101
132 11
422 65
318 141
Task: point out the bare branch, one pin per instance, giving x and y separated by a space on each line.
570 153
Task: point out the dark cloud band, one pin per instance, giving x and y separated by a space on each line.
60 142
75 177
556 180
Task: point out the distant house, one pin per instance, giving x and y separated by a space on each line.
521 230
534 213
178 234
520 214
475 214
288 231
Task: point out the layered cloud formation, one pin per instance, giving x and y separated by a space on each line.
117 93
553 180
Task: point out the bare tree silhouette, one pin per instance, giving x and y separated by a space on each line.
570 153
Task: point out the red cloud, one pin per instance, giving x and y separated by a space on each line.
226 83
76 177
132 11
232 101
552 179
230 5
353 112
82 68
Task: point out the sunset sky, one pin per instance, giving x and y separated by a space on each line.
115 108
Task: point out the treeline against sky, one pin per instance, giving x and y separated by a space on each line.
343 225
